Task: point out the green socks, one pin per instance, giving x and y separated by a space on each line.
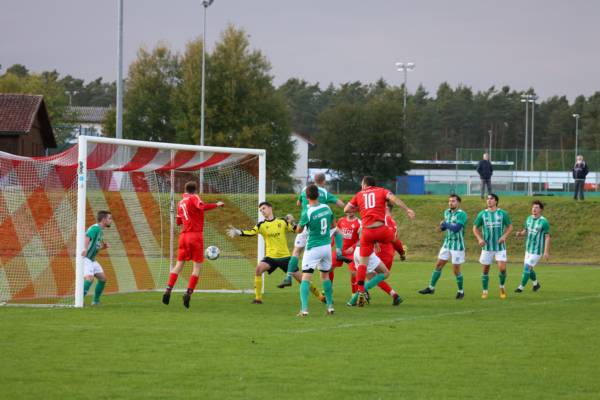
502 277
435 277
99 289
304 291
525 276
339 242
532 275
292 267
328 289
485 281
459 282
86 286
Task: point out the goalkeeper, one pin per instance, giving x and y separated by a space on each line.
277 253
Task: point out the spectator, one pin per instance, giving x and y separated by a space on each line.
485 171
580 171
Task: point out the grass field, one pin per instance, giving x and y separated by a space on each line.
540 345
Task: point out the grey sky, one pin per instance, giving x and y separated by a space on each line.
551 45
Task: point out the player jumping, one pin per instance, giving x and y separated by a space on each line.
349 226
190 214
94 242
386 252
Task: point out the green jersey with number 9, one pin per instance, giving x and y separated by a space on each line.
318 220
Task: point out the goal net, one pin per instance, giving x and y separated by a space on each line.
46 205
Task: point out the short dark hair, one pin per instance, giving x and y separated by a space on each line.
101 215
457 197
319 177
312 192
265 203
191 187
495 196
539 203
368 180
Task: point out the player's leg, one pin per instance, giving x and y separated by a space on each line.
501 260
310 261
261 268
173 275
194 277
325 266
100 283
313 289
443 257
458 258
485 260
299 244
88 275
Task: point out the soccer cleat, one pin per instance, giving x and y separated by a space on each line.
343 258
95 303
186 300
367 297
403 257
361 299
484 295
349 304
256 301
330 310
287 281
518 290
396 300
536 287
427 290
166 297
502 293
460 295
302 314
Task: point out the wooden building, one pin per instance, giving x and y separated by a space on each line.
25 127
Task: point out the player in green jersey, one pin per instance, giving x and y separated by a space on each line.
318 221
300 242
537 230
277 254
94 242
453 224
496 225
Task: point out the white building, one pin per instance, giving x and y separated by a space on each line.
87 120
302 144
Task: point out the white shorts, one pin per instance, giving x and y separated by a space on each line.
300 240
488 256
317 258
458 256
532 259
374 261
91 268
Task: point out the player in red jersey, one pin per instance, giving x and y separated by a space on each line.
370 201
348 226
190 214
386 251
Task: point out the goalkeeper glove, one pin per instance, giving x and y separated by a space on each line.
233 232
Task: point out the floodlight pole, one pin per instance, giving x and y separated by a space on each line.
405 67
576 116
524 100
532 99
119 130
205 4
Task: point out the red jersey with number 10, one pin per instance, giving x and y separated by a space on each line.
371 203
190 213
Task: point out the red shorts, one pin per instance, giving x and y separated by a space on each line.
191 247
381 234
387 259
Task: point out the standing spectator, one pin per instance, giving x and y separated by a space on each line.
580 171
485 171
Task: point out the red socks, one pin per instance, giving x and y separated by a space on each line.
172 279
385 287
361 275
331 275
193 283
353 283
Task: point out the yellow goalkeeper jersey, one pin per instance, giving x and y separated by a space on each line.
273 231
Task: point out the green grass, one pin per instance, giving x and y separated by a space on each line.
531 346
572 224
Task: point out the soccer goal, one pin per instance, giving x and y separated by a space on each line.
46 205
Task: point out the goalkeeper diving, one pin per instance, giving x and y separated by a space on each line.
277 253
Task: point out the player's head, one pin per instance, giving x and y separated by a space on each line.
579 158
486 156
266 209
312 192
320 179
454 201
351 213
104 218
191 187
536 208
492 200
367 181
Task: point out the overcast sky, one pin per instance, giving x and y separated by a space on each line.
551 45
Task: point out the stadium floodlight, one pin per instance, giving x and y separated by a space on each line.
576 116
53 199
205 4
405 67
119 127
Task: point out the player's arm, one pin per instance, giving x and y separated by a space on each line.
507 232
351 206
211 206
290 223
233 231
303 222
86 245
451 227
547 247
390 196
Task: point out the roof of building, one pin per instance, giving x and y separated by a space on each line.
304 137
88 114
17 115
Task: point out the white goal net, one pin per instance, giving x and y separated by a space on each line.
46 204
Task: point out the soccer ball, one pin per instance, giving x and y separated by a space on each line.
212 252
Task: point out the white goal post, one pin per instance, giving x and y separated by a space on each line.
49 202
